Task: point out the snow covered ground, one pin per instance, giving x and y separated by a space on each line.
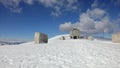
62 54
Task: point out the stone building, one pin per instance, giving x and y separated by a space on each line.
62 38
90 38
75 33
116 38
40 38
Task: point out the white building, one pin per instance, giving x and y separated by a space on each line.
40 38
116 37
75 33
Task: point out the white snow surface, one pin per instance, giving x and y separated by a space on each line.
57 53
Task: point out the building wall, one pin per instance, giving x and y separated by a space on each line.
36 38
40 38
90 38
75 33
116 38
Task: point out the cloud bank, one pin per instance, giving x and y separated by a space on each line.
91 22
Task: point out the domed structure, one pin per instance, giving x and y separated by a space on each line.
75 33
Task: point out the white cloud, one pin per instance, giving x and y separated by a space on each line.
92 21
104 25
66 27
13 5
57 11
16 10
94 4
99 4
55 14
58 6
48 3
71 5
30 2
87 23
96 13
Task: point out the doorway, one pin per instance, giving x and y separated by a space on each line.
75 37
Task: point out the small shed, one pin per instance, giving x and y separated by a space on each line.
62 38
40 38
116 38
90 38
75 33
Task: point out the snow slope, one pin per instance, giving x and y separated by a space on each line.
61 54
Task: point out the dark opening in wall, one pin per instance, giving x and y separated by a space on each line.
75 37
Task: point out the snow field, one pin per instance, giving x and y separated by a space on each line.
61 54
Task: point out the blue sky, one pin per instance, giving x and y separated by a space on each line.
19 19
